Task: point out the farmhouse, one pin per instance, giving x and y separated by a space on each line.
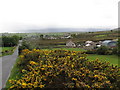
70 44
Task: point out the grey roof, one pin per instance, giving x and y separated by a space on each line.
106 41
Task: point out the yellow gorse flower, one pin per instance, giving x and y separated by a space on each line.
49 67
33 63
74 79
95 75
42 68
24 84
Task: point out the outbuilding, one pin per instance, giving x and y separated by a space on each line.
109 43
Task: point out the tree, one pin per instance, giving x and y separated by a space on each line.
8 41
41 36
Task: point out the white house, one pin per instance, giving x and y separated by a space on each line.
88 42
70 44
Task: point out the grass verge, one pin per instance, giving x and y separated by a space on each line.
6 51
15 74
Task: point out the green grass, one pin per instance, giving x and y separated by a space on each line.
6 51
6 48
71 49
100 35
14 75
113 59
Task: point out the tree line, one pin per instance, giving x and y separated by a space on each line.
9 41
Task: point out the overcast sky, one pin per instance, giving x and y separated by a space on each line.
18 15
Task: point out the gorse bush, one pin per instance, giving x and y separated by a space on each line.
64 69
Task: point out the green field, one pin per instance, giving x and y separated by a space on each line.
71 49
100 35
6 51
113 59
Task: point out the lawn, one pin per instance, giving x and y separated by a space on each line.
6 51
113 59
71 49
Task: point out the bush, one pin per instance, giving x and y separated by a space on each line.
118 47
115 51
102 50
64 69
109 52
24 46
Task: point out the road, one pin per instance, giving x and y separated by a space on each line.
6 64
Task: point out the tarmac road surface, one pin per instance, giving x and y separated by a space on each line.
7 64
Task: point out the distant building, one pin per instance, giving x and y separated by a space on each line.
89 45
66 37
88 42
79 45
70 44
48 37
109 43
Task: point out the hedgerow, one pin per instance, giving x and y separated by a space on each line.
64 69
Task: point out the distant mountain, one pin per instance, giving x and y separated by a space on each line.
48 30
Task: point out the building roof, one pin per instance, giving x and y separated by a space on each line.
87 45
107 41
88 41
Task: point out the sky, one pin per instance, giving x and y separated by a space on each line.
17 15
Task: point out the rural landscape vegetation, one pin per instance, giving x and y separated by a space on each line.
63 59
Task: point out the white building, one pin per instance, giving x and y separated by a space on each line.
70 44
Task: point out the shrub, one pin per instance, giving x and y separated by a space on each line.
115 51
64 69
102 50
109 52
118 47
24 46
